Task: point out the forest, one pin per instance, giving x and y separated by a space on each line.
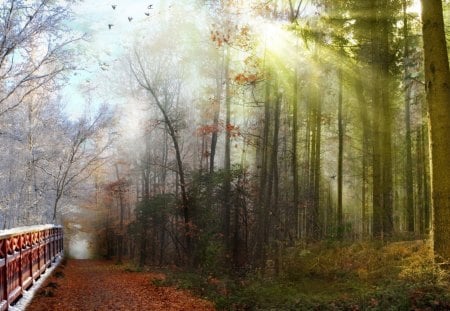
267 155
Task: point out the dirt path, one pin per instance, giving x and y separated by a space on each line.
100 285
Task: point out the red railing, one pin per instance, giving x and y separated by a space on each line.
25 253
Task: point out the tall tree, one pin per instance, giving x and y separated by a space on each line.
227 158
141 74
263 196
295 214
339 215
437 83
381 23
408 141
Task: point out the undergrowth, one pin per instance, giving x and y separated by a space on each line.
360 276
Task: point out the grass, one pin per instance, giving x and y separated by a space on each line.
360 276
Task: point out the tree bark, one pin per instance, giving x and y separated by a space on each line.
340 222
410 221
420 176
437 81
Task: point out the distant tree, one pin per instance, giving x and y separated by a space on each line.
162 90
83 150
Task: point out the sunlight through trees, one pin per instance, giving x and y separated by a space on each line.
225 135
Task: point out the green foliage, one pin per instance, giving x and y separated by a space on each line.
209 253
152 215
153 210
207 199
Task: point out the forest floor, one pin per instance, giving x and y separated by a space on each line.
324 276
329 276
102 285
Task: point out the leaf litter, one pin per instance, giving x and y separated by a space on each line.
101 285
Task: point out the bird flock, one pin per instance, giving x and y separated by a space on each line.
130 18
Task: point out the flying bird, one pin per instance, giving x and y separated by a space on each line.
130 18
104 66
114 6
148 14
110 26
150 6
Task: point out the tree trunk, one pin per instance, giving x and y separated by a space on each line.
340 224
408 164
382 221
314 229
317 168
306 171
295 211
263 179
227 160
420 177
274 174
121 216
366 125
426 180
216 108
387 178
437 81
377 221
273 186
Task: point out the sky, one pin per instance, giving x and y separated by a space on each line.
110 33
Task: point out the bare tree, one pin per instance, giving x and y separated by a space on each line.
33 48
82 152
163 90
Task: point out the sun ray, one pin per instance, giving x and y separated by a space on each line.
415 8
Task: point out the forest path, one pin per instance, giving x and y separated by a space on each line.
86 285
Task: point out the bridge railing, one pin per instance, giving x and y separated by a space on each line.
25 253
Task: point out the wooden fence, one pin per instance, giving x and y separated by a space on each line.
25 253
